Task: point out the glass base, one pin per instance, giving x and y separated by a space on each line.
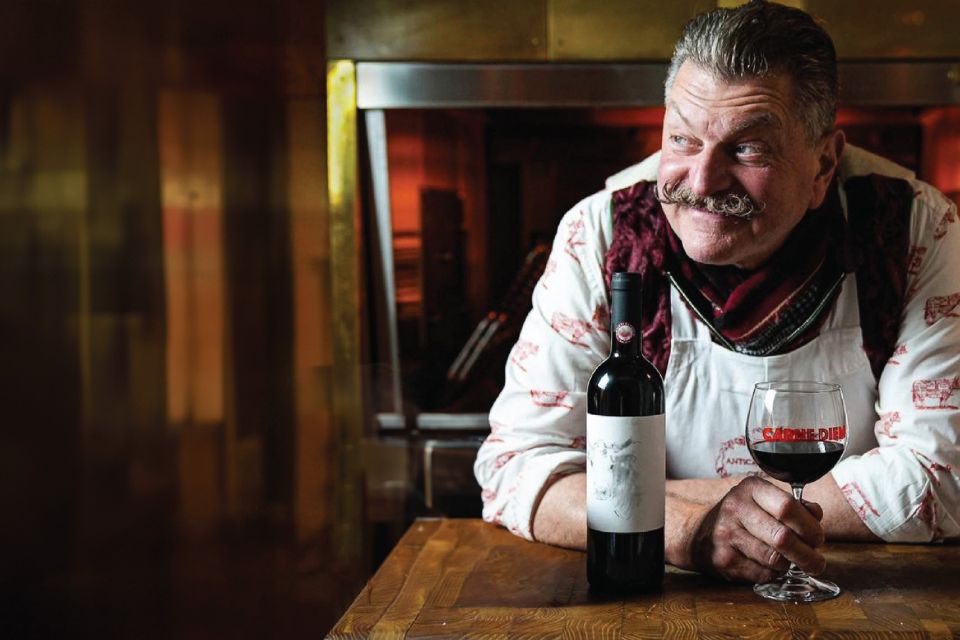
797 587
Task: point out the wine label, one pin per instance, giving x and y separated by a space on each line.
626 473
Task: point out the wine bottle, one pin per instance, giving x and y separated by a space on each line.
626 458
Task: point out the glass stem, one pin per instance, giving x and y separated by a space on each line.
793 573
797 492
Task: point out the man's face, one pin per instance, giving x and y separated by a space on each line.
740 137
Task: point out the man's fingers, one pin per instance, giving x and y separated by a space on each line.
730 561
815 509
761 554
775 545
783 508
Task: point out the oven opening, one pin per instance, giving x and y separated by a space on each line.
460 207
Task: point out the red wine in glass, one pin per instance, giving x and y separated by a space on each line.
797 462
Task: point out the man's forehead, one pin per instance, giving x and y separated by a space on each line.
734 122
696 84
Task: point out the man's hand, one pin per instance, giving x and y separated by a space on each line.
754 532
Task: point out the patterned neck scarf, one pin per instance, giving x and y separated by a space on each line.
778 306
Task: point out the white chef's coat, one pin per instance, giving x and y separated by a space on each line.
900 471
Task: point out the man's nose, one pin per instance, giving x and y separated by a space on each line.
709 172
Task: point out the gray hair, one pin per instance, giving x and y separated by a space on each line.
762 38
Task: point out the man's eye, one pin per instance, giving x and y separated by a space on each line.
749 150
680 141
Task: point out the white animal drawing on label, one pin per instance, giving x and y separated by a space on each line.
616 475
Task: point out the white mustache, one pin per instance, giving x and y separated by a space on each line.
733 205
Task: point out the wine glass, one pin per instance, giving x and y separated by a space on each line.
796 433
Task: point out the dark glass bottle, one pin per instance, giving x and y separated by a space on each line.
626 459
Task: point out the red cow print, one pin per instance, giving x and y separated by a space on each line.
572 330
927 513
550 399
932 468
523 350
496 426
504 458
601 318
858 500
934 394
899 351
548 271
948 218
488 495
580 442
885 424
575 238
942 307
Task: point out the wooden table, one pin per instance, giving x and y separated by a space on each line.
466 578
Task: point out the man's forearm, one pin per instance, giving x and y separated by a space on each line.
840 521
561 519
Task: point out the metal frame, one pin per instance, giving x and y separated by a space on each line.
347 391
406 85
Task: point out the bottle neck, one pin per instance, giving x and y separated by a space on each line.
625 313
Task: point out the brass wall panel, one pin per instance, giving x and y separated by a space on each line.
618 29
345 296
891 28
437 30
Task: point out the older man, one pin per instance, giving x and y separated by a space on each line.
768 250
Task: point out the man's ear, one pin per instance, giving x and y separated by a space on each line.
829 150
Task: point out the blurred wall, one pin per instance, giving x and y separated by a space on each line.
164 285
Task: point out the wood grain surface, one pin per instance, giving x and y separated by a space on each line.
470 579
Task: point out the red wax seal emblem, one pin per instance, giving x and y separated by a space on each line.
625 332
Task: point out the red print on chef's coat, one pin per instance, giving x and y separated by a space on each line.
523 350
942 307
948 218
550 398
504 458
575 237
601 318
734 458
548 271
580 442
899 351
935 394
885 424
914 265
928 513
933 469
915 259
488 495
855 496
570 329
